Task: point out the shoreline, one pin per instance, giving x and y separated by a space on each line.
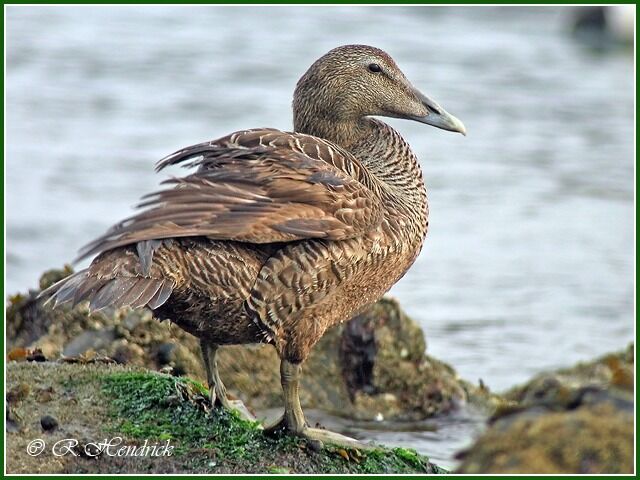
374 366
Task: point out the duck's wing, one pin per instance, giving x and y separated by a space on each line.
257 186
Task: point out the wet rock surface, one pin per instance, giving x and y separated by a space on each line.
374 365
576 420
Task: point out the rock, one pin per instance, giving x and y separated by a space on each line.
374 365
48 423
132 407
314 445
89 340
577 420
614 370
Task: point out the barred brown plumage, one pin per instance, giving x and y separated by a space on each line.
277 236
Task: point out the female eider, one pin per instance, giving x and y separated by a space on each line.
277 236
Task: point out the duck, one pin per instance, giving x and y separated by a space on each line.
275 236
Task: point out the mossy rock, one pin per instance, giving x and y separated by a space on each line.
613 370
94 402
574 420
594 440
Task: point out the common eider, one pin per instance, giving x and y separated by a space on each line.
277 236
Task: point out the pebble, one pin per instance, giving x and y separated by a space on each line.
314 445
48 423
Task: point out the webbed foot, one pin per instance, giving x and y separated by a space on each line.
316 436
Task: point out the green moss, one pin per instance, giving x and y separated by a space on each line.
410 457
397 460
163 407
155 406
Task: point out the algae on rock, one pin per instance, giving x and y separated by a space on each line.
575 420
97 403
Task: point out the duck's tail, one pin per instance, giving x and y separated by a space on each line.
118 291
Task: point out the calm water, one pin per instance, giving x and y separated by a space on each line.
529 263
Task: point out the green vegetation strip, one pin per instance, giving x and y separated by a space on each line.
147 405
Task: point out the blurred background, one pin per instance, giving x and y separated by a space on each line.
529 262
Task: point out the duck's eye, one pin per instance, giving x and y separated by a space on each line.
375 68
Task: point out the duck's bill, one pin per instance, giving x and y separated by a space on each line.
439 117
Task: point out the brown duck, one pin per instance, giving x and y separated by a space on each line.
277 236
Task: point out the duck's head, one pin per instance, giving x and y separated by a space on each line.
355 81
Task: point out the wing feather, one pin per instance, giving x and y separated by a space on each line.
258 186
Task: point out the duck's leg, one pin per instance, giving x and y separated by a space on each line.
293 420
217 390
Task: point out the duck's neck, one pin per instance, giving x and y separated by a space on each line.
380 149
344 133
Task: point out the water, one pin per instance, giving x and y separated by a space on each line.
439 438
529 263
